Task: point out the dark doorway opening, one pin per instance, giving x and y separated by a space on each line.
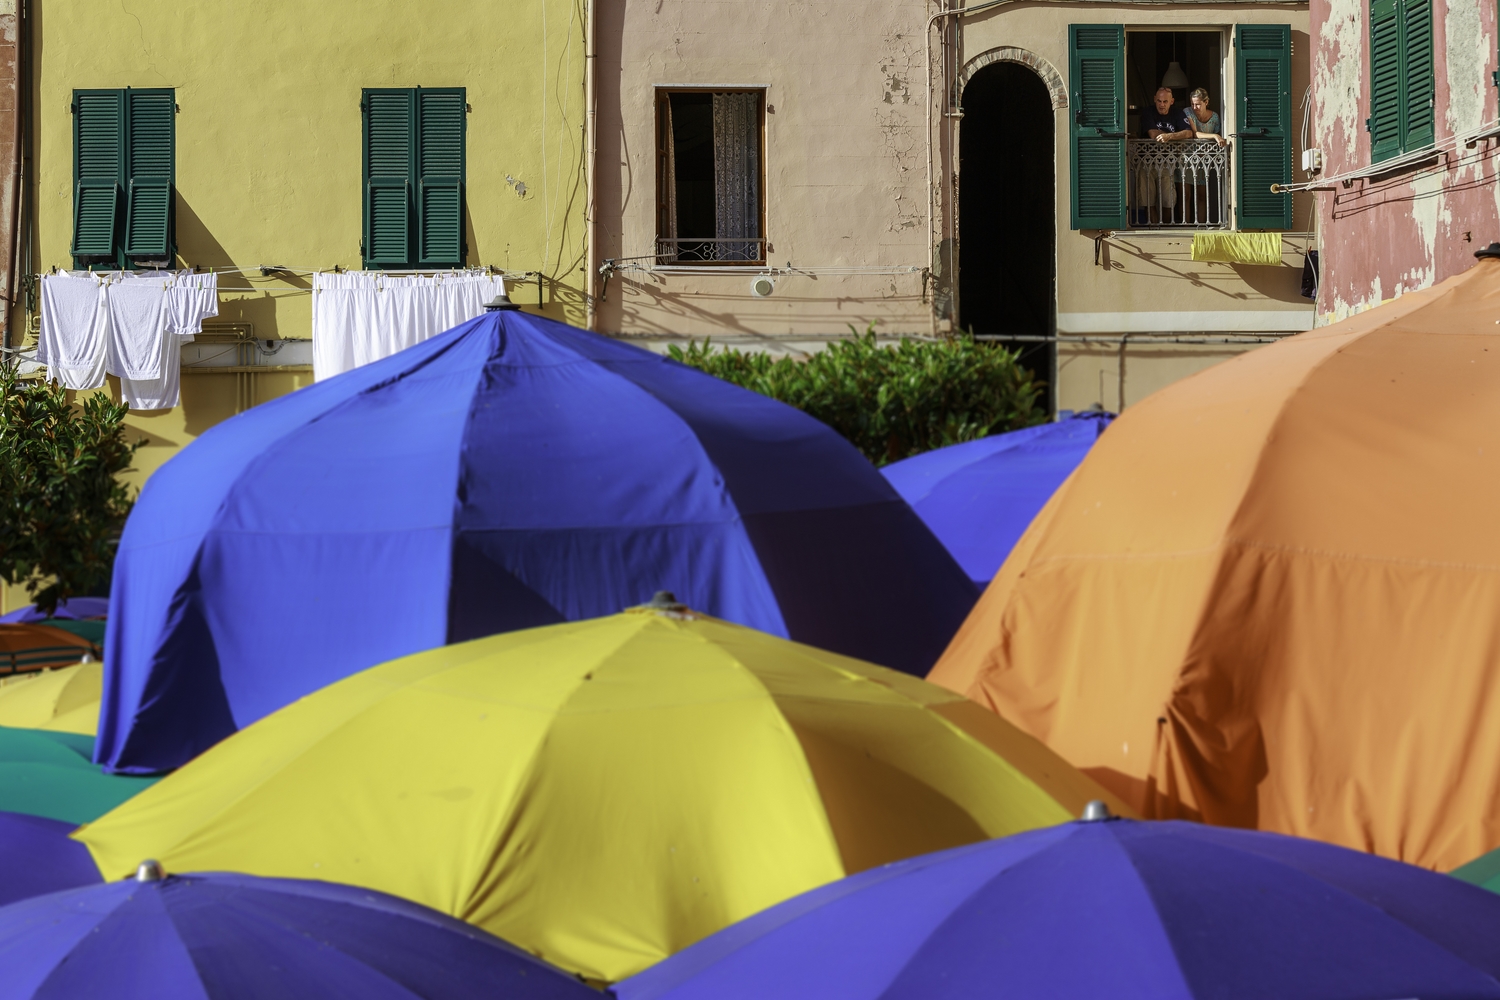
1006 214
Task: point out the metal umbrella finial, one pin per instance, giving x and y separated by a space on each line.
150 870
500 302
1493 250
665 600
1095 812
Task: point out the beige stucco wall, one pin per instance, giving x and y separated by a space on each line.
1147 283
847 179
844 164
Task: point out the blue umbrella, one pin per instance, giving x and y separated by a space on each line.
70 609
237 936
979 496
510 473
1112 908
37 857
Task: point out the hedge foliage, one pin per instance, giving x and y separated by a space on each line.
891 400
63 505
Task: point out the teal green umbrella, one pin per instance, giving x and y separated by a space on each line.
87 628
52 774
1483 871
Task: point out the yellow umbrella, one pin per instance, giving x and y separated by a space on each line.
602 793
65 699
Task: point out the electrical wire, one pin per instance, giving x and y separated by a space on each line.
1487 130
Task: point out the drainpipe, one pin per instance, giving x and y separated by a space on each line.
591 154
946 12
15 178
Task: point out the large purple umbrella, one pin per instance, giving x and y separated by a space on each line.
1110 908
36 857
237 936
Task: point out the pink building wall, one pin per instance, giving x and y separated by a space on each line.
1382 236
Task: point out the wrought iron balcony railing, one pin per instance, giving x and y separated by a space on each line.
1175 185
734 250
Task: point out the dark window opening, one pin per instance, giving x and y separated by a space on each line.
710 198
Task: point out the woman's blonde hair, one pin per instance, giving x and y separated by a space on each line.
1199 93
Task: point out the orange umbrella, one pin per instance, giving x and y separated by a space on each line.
35 647
1270 595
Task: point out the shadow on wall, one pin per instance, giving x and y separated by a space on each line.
1280 284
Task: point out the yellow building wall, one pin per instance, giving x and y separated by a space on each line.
269 142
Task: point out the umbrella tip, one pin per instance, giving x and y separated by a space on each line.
1493 250
500 302
1095 812
665 600
150 870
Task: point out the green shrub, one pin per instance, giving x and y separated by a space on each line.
63 507
891 400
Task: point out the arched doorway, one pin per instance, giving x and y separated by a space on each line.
1006 208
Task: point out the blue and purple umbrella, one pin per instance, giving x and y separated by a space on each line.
979 496
237 936
37 857
1112 908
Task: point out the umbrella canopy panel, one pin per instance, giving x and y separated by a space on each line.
1132 911
49 773
510 473
65 699
602 793
979 496
235 937
37 857
1265 597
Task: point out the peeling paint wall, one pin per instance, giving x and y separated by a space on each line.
845 165
1382 236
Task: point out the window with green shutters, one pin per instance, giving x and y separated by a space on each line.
1263 141
124 168
1402 117
414 177
1096 135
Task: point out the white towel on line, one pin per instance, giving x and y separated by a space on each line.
363 316
138 326
190 299
160 393
74 340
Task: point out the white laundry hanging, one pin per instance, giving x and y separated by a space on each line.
190 298
74 341
138 325
363 316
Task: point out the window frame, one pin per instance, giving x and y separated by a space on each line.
661 95
413 179
118 258
1402 144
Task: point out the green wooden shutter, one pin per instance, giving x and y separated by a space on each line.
1096 72
1263 144
1418 91
98 170
390 148
1384 124
150 131
440 177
